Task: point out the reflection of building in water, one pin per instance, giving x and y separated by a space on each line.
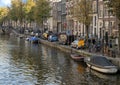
44 51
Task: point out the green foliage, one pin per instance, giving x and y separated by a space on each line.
115 6
42 10
16 10
32 10
82 11
29 10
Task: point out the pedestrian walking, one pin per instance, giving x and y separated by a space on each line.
90 47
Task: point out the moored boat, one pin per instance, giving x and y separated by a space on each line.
34 39
77 57
101 64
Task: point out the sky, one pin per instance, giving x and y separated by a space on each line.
4 3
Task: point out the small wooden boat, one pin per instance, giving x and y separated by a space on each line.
77 57
101 64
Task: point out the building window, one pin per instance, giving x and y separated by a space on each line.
100 24
94 31
100 34
95 21
100 13
106 12
111 24
94 7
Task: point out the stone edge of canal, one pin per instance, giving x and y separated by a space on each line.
67 49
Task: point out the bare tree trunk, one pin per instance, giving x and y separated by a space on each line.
87 32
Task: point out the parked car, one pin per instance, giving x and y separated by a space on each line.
37 33
33 39
70 39
46 34
80 43
53 38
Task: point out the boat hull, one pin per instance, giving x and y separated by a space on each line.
109 70
101 64
34 41
77 57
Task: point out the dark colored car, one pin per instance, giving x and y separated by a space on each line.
53 38
46 34
79 43
37 33
70 39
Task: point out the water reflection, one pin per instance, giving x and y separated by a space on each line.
81 67
22 63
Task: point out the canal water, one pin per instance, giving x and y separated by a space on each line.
22 63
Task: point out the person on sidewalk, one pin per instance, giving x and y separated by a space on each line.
88 44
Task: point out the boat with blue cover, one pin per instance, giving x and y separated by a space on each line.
34 39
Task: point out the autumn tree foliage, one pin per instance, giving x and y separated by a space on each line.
31 10
3 14
42 11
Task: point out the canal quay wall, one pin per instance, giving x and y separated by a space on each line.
69 50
